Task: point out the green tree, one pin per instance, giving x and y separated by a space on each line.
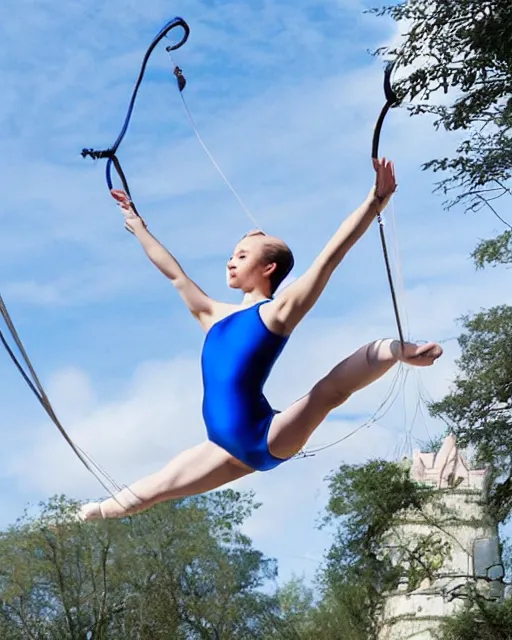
193 558
478 408
366 502
479 620
180 570
342 612
462 49
494 252
291 618
53 582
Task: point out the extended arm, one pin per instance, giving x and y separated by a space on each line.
195 298
199 304
297 299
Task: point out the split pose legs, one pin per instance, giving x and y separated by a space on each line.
208 466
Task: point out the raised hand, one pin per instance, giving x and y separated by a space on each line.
385 183
132 222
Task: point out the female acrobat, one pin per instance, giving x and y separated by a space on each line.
242 343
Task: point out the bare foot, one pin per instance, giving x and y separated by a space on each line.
90 511
423 355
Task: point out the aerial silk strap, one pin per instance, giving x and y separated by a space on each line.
111 153
32 380
391 101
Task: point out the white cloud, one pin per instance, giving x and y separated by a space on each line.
154 417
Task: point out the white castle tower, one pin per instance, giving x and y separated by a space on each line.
465 546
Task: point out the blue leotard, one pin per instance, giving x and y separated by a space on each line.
238 354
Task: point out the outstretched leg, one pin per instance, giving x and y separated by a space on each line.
193 471
292 428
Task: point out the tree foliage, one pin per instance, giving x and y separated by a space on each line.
181 570
461 50
479 407
366 502
479 620
497 251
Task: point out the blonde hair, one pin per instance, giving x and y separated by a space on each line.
278 252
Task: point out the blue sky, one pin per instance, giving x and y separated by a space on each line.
285 95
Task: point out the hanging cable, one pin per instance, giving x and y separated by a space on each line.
33 382
178 72
110 153
402 295
391 101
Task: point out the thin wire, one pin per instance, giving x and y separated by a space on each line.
402 449
428 399
399 270
418 411
212 159
407 427
101 470
372 420
421 403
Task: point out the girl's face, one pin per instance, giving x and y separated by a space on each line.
246 268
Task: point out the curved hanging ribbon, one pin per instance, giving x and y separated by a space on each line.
391 100
110 153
